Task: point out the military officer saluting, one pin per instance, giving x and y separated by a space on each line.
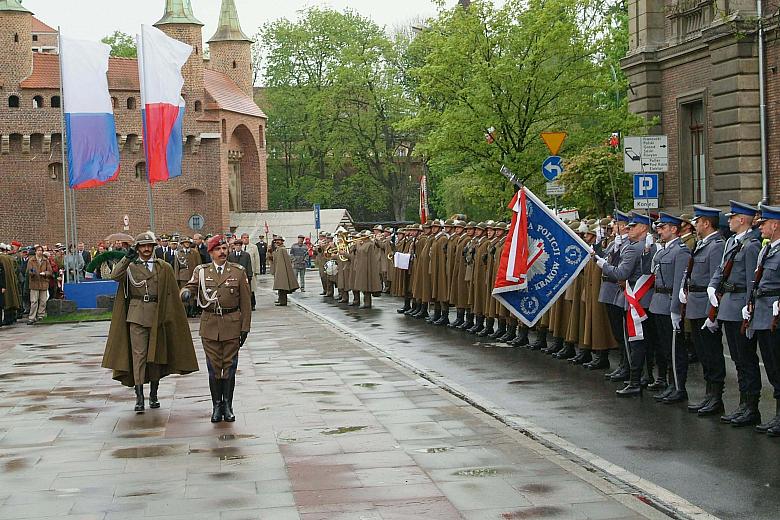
221 289
707 340
728 292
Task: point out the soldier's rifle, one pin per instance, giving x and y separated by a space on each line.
712 312
751 303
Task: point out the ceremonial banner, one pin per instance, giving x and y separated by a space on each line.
424 199
93 153
541 257
160 59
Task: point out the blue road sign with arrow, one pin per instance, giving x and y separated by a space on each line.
552 167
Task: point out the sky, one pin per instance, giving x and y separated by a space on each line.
94 19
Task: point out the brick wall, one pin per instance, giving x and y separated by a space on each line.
773 116
233 59
16 46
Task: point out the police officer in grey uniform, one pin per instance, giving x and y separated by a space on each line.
708 342
763 309
635 262
611 295
730 294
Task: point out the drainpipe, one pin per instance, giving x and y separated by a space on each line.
762 105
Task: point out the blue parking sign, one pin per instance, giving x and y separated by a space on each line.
646 186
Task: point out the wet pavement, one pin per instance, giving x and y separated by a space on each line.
326 429
729 472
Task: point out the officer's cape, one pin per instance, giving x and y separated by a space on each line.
541 257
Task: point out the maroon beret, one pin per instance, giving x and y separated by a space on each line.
215 241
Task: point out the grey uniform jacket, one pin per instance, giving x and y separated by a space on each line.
632 265
610 291
770 281
741 277
706 259
669 265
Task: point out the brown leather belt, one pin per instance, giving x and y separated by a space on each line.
221 311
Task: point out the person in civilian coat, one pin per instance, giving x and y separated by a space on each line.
164 251
39 272
262 251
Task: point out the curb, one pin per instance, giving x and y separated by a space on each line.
649 493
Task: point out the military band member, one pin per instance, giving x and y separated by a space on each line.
149 336
366 269
387 257
319 260
187 258
728 291
285 281
708 341
221 290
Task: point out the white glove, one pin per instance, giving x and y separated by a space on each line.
682 296
713 298
710 325
649 241
600 262
676 319
775 308
618 240
745 313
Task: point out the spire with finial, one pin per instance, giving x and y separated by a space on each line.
13 5
229 28
178 12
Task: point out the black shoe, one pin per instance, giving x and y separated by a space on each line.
460 318
228 385
600 361
468 323
658 385
322 293
567 352
215 386
412 310
695 407
500 331
479 324
540 342
521 339
714 407
139 398
435 317
554 347
402 311
676 396
487 329
630 390
620 375
511 334
646 381
153 401
583 357
739 410
751 415
613 372
444 320
666 393
772 423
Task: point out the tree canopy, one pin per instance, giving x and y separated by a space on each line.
122 45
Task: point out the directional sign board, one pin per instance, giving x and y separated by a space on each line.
645 191
554 140
552 167
555 189
316 216
649 153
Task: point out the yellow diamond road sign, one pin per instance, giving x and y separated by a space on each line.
554 140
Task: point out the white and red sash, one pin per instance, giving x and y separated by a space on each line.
636 314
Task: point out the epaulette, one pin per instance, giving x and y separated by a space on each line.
683 245
719 240
239 266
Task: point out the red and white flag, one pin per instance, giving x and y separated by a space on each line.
424 199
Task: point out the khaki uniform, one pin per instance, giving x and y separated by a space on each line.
597 331
38 273
440 283
284 278
458 285
494 257
479 275
366 269
184 263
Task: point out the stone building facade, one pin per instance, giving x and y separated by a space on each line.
692 67
224 166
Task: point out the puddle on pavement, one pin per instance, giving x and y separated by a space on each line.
221 476
647 448
143 452
522 382
480 472
319 392
533 512
537 488
141 435
366 385
223 453
36 408
317 364
440 449
344 429
76 419
140 494
234 436
16 465
337 410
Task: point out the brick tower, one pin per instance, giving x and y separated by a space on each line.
179 22
16 37
231 50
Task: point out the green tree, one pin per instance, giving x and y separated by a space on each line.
595 182
122 45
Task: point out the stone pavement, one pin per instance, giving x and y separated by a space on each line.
326 429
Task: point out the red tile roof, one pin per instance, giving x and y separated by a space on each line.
123 75
40 27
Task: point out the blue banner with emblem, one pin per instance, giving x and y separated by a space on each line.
541 257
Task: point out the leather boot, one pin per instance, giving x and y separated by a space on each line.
487 330
436 315
541 340
555 346
500 330
139 398
366 300
215 386
584 356
510 334
695 407
752 414
406 307
600 360
355 299
567 352
774 422
669 390
677 396
414 309
715 406
633 388
460 319
228 385
445 316
739 410
153 401
468 323
620 366
479 325
521 340
423 314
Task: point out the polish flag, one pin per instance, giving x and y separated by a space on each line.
160 59
93 153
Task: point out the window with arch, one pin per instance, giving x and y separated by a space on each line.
140 170
198 106
131 103
13 101
55 101
114 102
55 171
38 102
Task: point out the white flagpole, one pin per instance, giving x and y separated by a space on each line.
142 73
62 149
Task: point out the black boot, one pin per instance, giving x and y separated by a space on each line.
215 386
153 401
715 406
600 361
413 310
772 423
407 306
584 356
752 414
621 375
621 365
459 319
436 314
633 388
555 346
355 299
228 385
488 329
423 313
444 319
695 407
139 398
567 352
541 340
670 389
741 408
468 323
510 334
677 396
479 325
522 337
500 330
